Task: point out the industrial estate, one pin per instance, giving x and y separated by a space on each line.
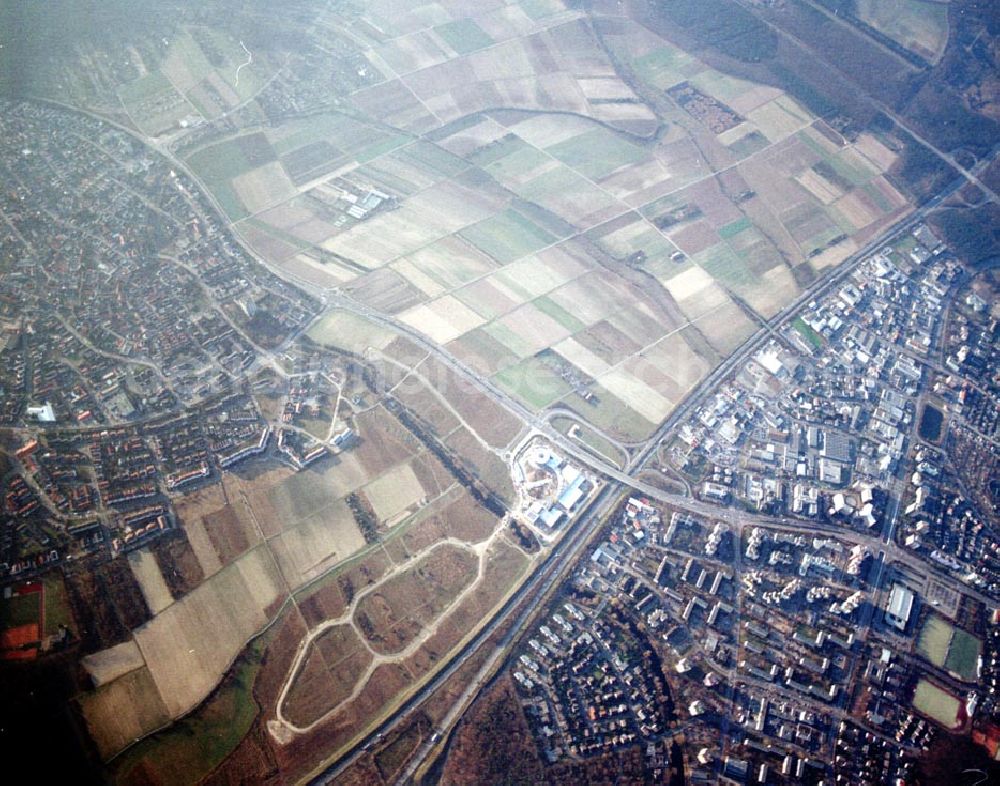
519 391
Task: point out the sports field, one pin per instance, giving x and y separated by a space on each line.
949 647
937 704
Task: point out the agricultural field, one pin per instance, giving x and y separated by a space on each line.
918 25
259 536
545 237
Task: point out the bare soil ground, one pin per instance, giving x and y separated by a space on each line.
394 615
107 604
228 533
331 597
178 563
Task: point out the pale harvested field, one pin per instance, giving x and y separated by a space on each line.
412 52
702 307
185 64
736 133
304 495
858 209
543 131
581 357
470 139
534 329
878 154
147 573
589 298
394 492
571 197
387 236
606 88
443 319
543 272
267 245
775 288
689 284
190 645
287 215
636 394
640 324
670 367
190 510
318 542
263 187
821 188
833 256
110 664
780 118
427 284
491 298
449 207
307 268
726 328
752 97
887 190
122 711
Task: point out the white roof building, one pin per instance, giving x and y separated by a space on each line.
899 606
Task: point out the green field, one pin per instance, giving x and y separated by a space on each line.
218 164
934 638
548 306
807 332
963 655
20 610
611 415
734 228
596 154
433 159
948 647
507 236
534 382
918 25
723 264
144 88
464 36
57 611
382 146
665 67
322 127
937 704
517 159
